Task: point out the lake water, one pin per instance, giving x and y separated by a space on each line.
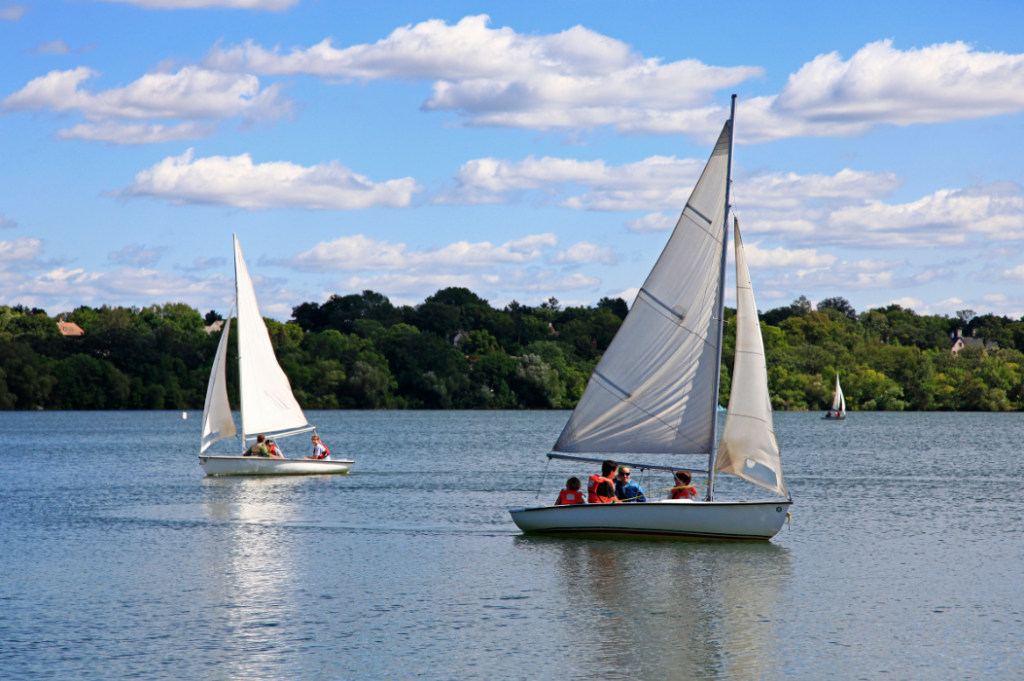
119 560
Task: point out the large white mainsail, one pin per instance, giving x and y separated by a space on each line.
268 405
652 391
748 447
218 423
839 402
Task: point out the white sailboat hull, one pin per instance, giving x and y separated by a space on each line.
259 465
665 519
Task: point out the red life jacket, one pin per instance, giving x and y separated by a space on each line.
684 493
592 496
326 453
567 498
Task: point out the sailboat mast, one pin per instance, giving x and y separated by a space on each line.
721 307
241 374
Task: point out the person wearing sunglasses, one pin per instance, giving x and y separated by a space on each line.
626 489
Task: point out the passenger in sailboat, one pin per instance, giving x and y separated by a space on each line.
258 448
601 489
683 488
571 494
626 489
274 450
320 450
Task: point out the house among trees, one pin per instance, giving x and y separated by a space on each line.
69 328
215 327
961 341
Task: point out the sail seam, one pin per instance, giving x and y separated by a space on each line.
704 217
653 416
703 338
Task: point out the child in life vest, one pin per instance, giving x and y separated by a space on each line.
571 494
683 488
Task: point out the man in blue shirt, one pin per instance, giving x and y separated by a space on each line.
625 488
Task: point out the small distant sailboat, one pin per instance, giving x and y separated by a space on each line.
268 405
655 390
838 410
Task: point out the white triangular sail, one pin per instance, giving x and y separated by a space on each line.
748 447
268 405
652 391
218 423
839 402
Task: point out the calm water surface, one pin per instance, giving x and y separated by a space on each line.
119 560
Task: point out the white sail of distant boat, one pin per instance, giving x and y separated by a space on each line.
655 390
838 410
267 403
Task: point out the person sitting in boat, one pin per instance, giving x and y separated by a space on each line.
683 488
320 450
258 448
571 494
274 450
601 489
626 489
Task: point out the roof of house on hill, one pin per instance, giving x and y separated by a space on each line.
215 327
69 328
960 342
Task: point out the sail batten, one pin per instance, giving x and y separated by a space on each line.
267 402
748 448
651 391
218 422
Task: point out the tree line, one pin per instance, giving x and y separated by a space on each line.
456 351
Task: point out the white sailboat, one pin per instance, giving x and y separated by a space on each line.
267 403
838 410
655 390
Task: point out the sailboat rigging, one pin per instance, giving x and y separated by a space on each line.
267 403
655 390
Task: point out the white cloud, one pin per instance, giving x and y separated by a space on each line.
652 222
7 223
22 250
781 258
877 85
114 132
192 93
136 254
357 253
948 217
238 182
265 5
580 79
59 47
656 182
497 77
12 12
585 252
203 264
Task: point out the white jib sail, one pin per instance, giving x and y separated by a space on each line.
652 390
217 420
748 448
839 402
268 404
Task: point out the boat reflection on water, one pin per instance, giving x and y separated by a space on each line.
249 571
652 610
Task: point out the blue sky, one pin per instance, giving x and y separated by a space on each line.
524 150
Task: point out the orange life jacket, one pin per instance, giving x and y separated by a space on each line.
684 493
326 453
592 496
567 498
